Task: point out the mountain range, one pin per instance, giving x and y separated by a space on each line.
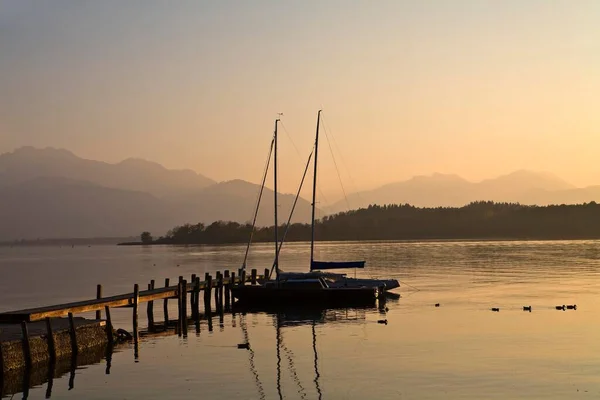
52 193
443 190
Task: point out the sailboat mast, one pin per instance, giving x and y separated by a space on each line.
275 195
314 193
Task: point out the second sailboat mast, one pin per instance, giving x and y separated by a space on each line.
314 194
275 195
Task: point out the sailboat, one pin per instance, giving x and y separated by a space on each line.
317 267
305 290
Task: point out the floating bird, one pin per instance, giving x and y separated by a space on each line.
382 321
563 307
244 346
572 307
527 308
495 309
437 304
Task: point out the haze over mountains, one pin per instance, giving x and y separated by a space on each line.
525 187
52 193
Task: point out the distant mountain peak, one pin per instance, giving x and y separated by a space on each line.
439 177
136 174
532 179
25 151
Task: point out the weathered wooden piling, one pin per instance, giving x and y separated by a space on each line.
166 306
196 295
220 290
193 295
73 334
109 326
184 307
51 343
98 296
26 346
227 290
253 276
207 294
136 300
179 308
150 309
267 274
243 276
217 280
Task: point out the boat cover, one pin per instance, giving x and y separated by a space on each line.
336 264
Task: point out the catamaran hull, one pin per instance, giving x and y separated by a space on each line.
258 294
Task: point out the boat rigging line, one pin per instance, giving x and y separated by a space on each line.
299 157
289 221
337 170
262 187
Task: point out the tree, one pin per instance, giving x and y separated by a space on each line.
146 237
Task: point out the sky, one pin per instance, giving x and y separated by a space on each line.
475 88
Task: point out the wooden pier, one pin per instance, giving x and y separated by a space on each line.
185 292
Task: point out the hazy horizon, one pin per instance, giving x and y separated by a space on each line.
408 88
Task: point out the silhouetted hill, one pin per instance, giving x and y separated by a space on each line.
27 163
50 207
478 220
59 207
236 201
522 186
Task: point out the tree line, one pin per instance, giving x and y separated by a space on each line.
477 220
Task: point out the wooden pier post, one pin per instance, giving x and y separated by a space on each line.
26 346
150 309
253 276
220 290
99 296
184 307
227 290
51 343
136 300
217 278
73 334
243 277
267 273
109 326
166 307
193 295
196 309
179 307
207 294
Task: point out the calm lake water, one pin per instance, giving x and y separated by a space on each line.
460 350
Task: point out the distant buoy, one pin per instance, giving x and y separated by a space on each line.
437 304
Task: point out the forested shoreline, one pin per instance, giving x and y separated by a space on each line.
477 220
